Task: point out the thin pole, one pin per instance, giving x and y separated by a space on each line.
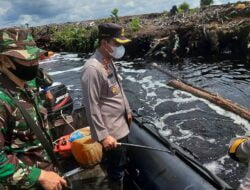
169 73
143 147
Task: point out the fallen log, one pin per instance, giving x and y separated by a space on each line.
218 100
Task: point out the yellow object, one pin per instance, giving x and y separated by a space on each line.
122 41
240 6
50 53
236 144
85 150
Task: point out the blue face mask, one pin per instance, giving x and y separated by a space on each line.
118 52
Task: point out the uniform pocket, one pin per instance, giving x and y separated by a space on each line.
113 87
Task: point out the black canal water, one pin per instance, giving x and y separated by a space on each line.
186 120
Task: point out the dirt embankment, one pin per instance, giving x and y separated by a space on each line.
219 30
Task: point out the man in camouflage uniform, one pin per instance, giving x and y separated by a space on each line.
23 161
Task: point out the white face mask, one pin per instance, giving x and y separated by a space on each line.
118 52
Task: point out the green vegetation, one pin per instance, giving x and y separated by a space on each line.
75 38
206 2
114 15
134 25
104 20
184 7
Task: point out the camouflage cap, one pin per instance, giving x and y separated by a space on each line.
18 43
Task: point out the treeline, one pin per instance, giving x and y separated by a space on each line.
211 30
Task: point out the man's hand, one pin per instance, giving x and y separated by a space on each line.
129 118
49 96
51 181
109 143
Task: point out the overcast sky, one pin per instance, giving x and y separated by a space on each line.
40 12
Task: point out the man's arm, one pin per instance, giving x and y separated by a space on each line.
12 170
92 82
243 152
240 147
128 109
245 184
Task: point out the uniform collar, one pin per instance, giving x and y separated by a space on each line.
98 56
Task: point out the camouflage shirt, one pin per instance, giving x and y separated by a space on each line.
22 155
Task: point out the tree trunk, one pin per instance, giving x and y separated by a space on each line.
218 100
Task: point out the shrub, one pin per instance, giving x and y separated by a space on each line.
74 38
206 2
184 7
114 15
134 25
